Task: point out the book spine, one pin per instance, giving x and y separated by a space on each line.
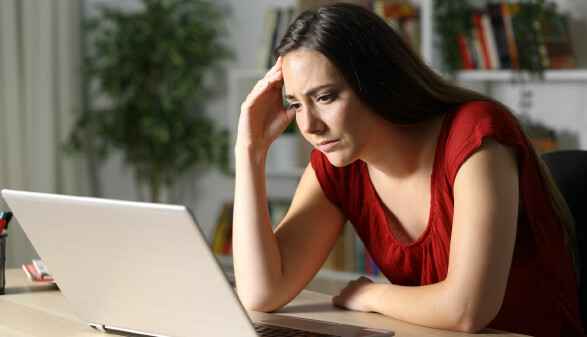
497 23
558 44
510 35
223 229
490 40
465 52
482 42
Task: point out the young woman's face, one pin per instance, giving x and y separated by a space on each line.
328 112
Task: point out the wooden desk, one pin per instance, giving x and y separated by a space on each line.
34 310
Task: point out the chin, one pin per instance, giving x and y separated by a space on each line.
336 159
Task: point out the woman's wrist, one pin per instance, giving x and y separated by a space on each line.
249 153
373 294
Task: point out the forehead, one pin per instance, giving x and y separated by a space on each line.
306 69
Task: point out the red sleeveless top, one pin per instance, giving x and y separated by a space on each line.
541 294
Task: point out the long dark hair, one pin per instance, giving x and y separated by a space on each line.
378 63
392 80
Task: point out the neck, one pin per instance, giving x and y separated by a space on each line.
400 151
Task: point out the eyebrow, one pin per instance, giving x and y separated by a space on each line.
311 91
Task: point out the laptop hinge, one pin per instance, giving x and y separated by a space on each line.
98 327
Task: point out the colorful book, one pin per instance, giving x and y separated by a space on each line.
37 272
558 43
508 11
465 51
223 232
481 40
497 23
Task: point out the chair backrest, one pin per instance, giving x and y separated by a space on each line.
569 170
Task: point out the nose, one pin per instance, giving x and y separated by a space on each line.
309 122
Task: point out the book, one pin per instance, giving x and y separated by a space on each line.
475 49
558 43
465 51
481 42
222 238
489 40
499 34
37 272
508 11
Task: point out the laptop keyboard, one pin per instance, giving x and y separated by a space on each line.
279 331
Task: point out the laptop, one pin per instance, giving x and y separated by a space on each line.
143 269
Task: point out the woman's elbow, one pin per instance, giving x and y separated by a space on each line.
473 320
259 302
470 325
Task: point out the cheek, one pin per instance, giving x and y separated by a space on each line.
342 118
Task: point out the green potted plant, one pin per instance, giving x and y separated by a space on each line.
150 64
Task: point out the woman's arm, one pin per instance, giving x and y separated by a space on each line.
271 269
482 242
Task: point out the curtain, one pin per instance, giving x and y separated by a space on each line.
40 96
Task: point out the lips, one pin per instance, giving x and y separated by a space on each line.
326 145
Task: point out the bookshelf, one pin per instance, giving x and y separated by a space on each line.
566 85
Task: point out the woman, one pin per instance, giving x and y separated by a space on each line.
440 183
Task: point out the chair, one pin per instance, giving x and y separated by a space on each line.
569 170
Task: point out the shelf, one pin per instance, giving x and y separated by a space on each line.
573 75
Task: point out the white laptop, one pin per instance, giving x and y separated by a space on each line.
137 268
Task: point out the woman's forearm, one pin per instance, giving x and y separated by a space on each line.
257 259
434 306
441 305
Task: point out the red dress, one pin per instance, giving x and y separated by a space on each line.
541 294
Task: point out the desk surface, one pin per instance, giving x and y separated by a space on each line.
28 309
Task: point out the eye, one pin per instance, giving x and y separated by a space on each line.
295 106
327 98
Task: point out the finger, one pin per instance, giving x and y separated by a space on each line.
336 301
276 67
273 81
276 80
265 85
271 74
